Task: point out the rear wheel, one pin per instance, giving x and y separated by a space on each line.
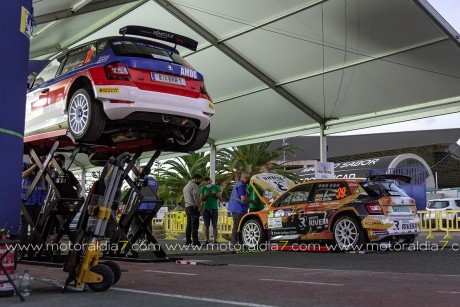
348 233
115 269
193 138
85 119
107 278
252 234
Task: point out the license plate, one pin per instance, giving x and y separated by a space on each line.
402 226
401 209
168 79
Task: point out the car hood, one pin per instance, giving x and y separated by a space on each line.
273 184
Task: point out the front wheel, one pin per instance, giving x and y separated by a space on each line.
348 233
252 234
107 278
85 119
193 138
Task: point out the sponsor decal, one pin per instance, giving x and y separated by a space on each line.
162 57
380 232
26 26
108 90
275 222
357 191
270 213
103 59
211 106
279 213
187 72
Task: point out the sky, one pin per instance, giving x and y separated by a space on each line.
450 10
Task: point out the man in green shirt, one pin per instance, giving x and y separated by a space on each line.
210 196
257 204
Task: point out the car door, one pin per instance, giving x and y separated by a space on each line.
327 197
40 116
283 215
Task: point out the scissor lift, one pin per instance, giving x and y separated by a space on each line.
58 212
83 263
139 193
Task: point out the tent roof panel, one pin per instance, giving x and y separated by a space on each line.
258 113
384 61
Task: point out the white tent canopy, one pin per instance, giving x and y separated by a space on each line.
277 68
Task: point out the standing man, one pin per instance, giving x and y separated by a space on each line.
36 200
192 209
210 194
239 203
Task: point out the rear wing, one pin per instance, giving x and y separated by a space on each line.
383 177
160 35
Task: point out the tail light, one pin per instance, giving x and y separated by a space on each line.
117 71
203 92
374 209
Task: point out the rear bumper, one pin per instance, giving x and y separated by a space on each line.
138 100
380 227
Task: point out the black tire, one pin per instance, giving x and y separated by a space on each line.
409 240
348 233
107 278
195 138
115 269
253 234
85 119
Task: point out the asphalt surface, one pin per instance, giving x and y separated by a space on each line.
271 278
425 273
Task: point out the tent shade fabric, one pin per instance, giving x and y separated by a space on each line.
282 68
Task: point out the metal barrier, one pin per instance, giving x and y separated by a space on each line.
447 221
175 223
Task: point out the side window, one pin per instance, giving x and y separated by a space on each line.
79 57
331 191
457 202
102 46
296 196
48 73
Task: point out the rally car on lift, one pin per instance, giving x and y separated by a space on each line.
123 88
344 211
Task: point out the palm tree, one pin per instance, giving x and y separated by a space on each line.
251 158
176 173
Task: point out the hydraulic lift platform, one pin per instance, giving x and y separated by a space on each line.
83 264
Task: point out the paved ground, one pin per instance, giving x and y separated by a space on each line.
427 276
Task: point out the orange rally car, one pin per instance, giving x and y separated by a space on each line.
348 212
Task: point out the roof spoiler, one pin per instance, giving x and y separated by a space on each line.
402 178
161 35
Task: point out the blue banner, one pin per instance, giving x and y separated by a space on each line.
16 16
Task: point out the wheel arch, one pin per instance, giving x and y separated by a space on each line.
349 212
251 216
81 82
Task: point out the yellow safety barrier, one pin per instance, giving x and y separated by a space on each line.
175 223
224 225
447 221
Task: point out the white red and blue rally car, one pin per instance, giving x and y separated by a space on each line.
123 88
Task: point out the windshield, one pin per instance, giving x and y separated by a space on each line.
437 204
383 188
146 50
